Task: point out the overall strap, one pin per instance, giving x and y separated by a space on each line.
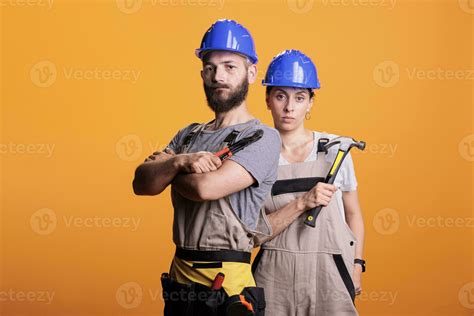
191 137
232 137
322 152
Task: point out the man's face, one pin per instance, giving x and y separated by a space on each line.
226 77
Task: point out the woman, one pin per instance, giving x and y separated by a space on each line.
305 270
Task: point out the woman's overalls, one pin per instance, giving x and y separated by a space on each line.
305 270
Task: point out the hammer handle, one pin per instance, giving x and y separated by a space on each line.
314 212
312 215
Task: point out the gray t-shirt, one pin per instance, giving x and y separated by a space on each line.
260 159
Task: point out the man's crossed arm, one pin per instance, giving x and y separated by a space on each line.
197 176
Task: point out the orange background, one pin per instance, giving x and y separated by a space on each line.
385 79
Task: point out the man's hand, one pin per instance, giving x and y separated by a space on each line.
161 155
320 194
357 278
200 162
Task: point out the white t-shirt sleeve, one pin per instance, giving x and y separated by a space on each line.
346 178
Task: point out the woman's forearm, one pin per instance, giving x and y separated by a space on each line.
283 217
355 220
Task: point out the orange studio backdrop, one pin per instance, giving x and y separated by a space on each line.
90 88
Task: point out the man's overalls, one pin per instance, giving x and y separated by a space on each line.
210 238
305 270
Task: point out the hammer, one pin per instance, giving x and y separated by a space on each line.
345 145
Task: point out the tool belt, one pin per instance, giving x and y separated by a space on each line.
216 256
196 299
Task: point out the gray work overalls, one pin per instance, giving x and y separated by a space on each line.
305 270
210 238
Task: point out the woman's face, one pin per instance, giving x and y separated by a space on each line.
289 107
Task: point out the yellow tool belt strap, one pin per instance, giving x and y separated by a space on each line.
238 275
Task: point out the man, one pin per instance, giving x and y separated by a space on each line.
217 205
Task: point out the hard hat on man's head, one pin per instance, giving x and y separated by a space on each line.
292 68
228 35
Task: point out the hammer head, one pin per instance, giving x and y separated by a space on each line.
345 143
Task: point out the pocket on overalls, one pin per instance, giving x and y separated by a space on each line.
193 299
175 303
214 233
250 302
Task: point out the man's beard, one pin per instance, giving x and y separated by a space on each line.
235 98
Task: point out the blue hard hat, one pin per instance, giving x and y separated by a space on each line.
292 68
228 35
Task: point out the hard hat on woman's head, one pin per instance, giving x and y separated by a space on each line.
292 68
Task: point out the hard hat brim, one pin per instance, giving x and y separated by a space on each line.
201 52
302 86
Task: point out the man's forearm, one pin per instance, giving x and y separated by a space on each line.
151 178
213 185
188 185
